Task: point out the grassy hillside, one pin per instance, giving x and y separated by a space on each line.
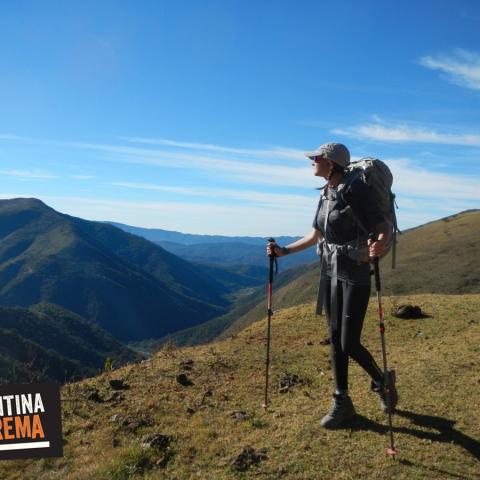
48 342
439 257
211 421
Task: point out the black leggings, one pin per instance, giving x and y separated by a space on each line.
345 338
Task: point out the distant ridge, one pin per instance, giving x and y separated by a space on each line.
159 235
219 250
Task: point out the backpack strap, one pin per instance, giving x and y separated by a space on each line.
395 230
322 286
355 217
322 283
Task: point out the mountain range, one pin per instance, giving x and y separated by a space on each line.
159 235
232 252
121 287
129 286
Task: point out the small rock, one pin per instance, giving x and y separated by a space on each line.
287 381
186 364
309 343
95 396
157 441
325 341
132 423
190 410
239 416
116 397
408 311
247 458
182 379
118 384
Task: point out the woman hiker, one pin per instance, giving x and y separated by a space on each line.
344 289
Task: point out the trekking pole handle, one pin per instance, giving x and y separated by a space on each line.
378 286
271 259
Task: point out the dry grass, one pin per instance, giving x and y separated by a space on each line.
436 428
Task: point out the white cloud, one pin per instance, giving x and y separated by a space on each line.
82 177
422 192
265 170
249 197
462 67
7 136
377 118
411 180
203 217
406 133
265 173
32 174
275 152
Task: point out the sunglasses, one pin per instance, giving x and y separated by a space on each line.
317 159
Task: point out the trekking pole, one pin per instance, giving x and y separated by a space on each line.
271 258
390 451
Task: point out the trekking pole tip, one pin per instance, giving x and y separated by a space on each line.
391 452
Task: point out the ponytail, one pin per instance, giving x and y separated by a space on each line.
334 168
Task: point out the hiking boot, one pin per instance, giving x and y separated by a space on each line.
388 396
341 411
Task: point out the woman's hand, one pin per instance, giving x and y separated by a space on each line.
273 247
377 247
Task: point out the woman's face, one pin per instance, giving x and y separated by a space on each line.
321 166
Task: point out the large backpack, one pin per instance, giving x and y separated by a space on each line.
379 178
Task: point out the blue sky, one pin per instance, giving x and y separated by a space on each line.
193 115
